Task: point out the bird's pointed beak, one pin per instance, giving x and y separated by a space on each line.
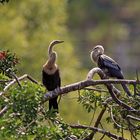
60 41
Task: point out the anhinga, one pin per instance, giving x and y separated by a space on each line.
108 65
50 74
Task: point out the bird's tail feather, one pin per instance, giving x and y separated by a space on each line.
53 104
126 89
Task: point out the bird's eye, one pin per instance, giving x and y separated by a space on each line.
94 49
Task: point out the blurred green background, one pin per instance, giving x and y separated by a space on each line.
28 26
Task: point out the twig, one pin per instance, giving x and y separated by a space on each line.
31 78
14 81
131 130
5 81
137 75
133 118
119 102
132 125
108 100
122 131
16 78
100 117
98 121
107 133
102 137
91 135
135 89
112 117
96 89
3 110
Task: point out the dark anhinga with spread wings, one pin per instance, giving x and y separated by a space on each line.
108 65
50 74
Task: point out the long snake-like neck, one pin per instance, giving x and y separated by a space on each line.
50 66
50 48
52 59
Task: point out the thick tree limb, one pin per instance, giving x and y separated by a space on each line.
107 133
83 84
88 82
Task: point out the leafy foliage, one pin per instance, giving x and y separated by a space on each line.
27 116
90 100
121 118
29 33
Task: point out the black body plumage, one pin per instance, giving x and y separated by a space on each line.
50 74
51 82
111 69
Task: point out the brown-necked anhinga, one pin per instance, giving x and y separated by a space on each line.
50 74
108 65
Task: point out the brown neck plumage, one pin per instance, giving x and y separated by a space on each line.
50 66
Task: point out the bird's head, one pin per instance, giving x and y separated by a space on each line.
97 50
54 42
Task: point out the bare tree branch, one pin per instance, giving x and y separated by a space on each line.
98 121
88 82
90 136
16 78
5 81
112 117
3 110
133 118
96 89
107 133
19 79
82 84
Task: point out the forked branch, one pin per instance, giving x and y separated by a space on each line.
89 82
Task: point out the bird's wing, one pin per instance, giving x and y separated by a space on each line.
109 62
